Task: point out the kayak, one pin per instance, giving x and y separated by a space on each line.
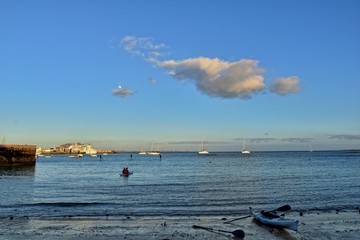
127 174
274 220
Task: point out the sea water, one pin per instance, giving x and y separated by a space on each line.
181 184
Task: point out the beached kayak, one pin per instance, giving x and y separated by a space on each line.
127 174
274 220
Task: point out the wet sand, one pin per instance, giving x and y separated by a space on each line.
332 225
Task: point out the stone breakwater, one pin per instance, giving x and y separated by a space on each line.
12 154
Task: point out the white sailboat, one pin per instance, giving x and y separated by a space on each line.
245 151
152 152
203 151
142 152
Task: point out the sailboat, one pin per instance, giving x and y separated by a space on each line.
310 148
203 151
245 151
152 152
142 151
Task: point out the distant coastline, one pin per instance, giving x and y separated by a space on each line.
79 148
214 152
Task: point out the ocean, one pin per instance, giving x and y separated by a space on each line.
181 184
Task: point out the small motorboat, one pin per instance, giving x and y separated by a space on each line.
272 219
76 156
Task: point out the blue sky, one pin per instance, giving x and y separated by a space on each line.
283 75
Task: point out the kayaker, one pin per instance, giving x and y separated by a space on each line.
125 171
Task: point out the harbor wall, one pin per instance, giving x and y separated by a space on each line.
12 154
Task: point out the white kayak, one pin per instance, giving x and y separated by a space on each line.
275 220
126 174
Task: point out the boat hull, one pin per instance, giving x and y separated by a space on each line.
153 153
279 222
126 175
204 152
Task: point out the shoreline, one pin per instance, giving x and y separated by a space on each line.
312 225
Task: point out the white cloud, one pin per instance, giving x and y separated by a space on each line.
345 137
211 76
219 78
284 86
143 46
299 140
122 92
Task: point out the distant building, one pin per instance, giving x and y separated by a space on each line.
76 148
72 148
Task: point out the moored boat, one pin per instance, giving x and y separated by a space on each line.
274 220
76 156
203 151
153 153
245 151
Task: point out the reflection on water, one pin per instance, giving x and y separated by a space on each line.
17 170
16 187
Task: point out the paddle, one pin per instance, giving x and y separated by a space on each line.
237 219
237 233
281 209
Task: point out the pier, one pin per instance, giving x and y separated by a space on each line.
15 155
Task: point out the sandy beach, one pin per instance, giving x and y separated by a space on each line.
331 225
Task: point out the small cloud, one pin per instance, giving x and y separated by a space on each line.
197 142
284 86
298 140
122 92
257 140
144 47
345 137
262 140
218 78
153 81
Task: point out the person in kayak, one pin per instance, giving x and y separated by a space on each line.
125 171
